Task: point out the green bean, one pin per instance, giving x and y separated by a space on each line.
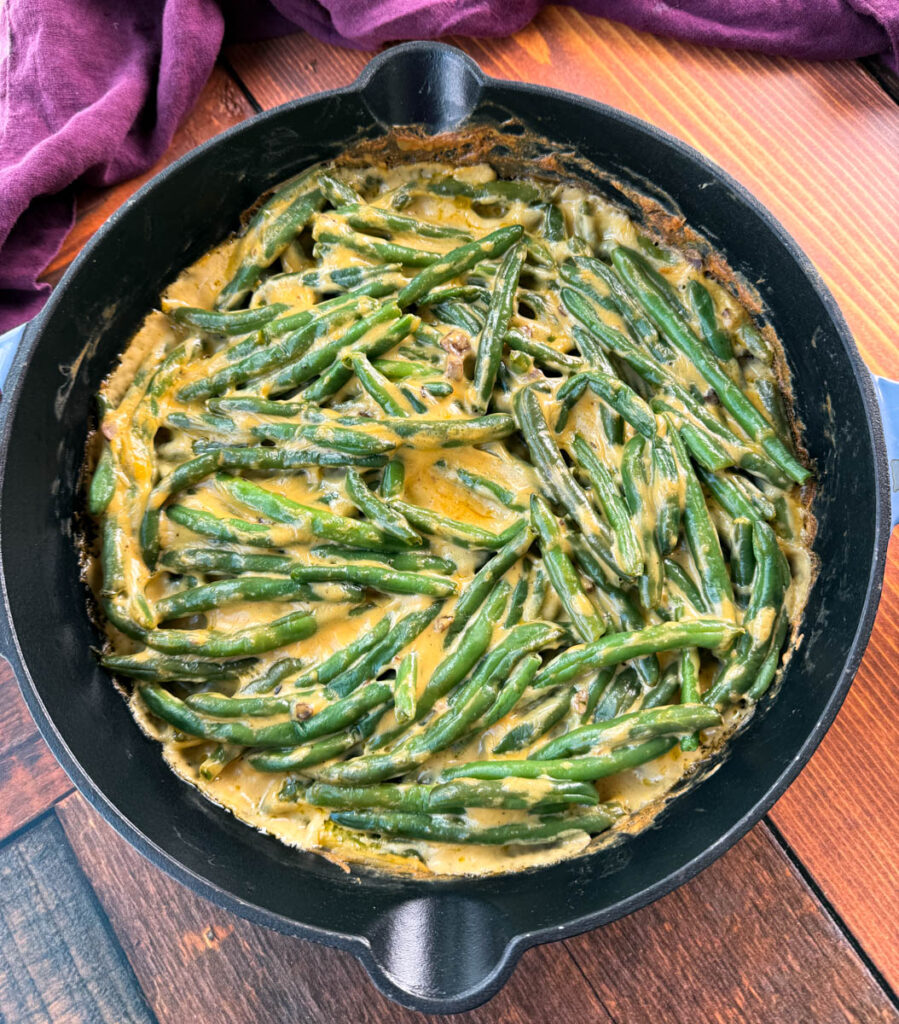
664 690
736 403
688 670
624 730
448 829
578 769
470 701
449 796
742 557
367 217
103 483
343 658
268 234
370 664
277 673
330 231
337 192
373 343
307 755
364 335
485 192
405 689
543 354
597 687
214 644
458 261
516 605
715 634
471 598
406 561
490 488
255 706
588 624
221 560
379 512
702 538
555 475
241 321
759 622
512 690
618 697
676 574
213 595
464 534
345 711
623 304
275 354
490 342
161 669
731 497
640 503
170 709
393 479
626 549
756 344
704 309
375 384
190 473
536 721
308 521
768 669
473 642
623 399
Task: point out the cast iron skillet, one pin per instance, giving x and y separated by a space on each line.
439 946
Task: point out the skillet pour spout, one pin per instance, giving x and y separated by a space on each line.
441 945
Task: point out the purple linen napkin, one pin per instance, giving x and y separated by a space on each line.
93 91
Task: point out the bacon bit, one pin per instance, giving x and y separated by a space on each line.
302 711
457 345
442 624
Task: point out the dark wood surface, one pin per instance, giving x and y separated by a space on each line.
798 922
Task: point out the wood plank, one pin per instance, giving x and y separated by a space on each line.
59 960
221 104
30 782
16 723
30 779
744 942
841 816
199 963
798 135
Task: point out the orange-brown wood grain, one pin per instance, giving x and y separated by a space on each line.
818 144
30 779
670 962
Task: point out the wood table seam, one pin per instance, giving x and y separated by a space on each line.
228 68
100 910
830 911
567 947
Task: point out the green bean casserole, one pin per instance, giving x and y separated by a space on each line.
447 521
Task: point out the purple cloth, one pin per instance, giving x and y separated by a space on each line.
92 91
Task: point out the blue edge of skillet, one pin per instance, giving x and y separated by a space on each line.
434 946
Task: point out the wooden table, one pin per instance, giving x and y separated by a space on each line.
798 922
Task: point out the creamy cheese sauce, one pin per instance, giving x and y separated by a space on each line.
435 479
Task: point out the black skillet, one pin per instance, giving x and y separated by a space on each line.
439 946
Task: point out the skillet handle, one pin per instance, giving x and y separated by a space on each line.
9 345
888 397
443 953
